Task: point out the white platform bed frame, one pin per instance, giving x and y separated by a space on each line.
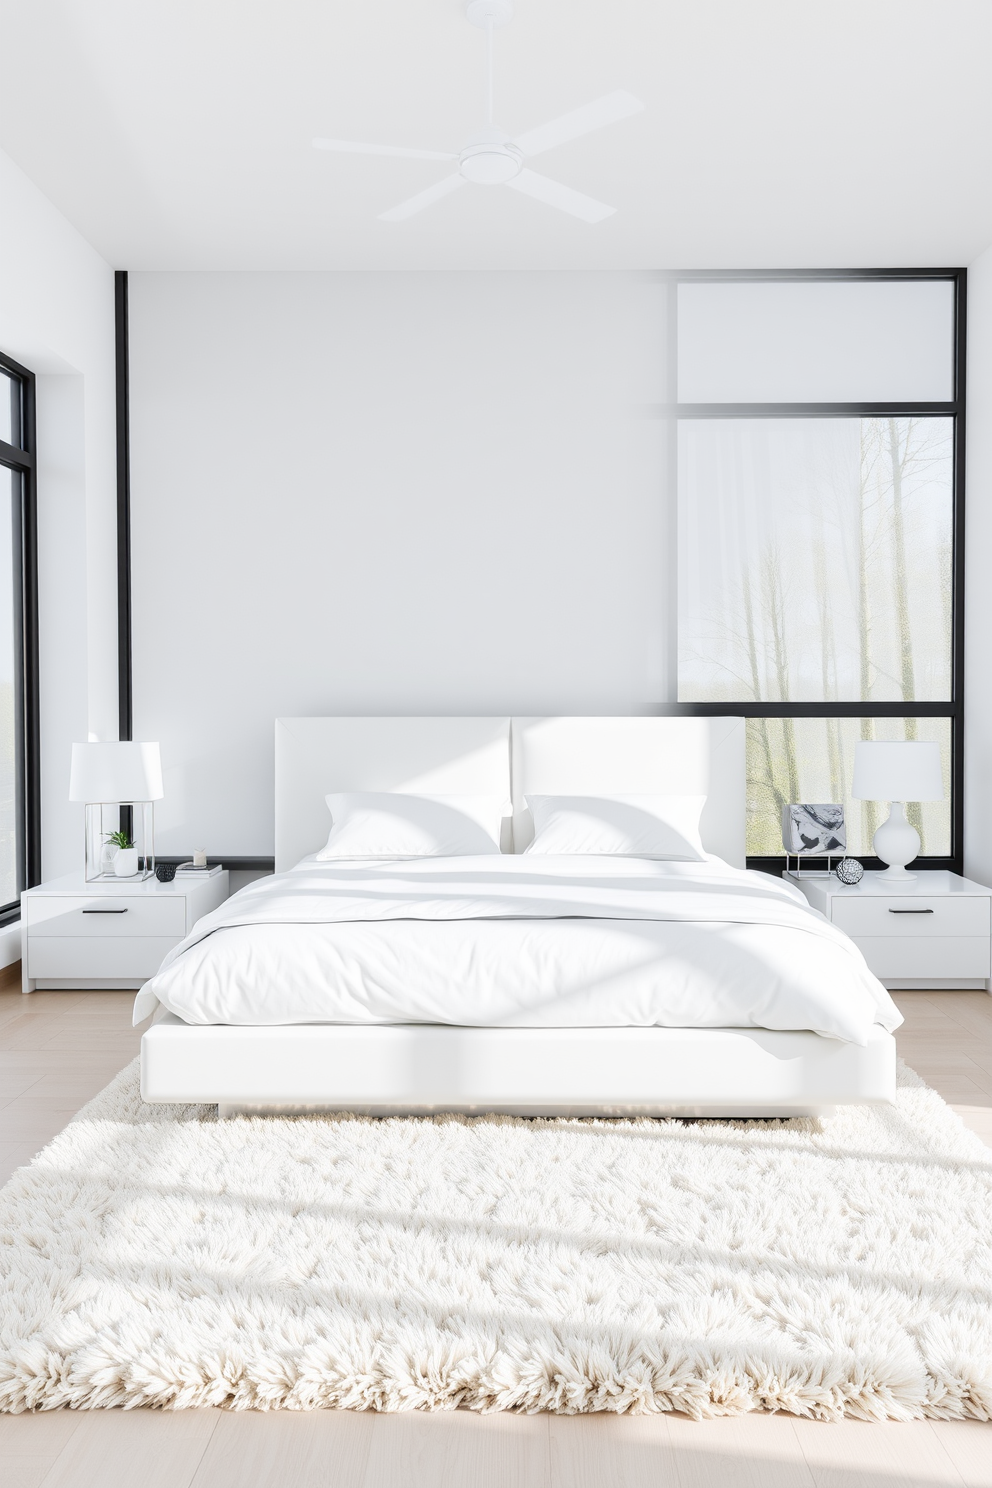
428 1068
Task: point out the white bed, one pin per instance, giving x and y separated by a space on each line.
531 985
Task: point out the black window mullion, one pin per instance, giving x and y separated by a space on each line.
15 458
911 708
30 733
813 410
867 860
958 569
21 459
813 276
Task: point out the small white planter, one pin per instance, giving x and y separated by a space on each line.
126 862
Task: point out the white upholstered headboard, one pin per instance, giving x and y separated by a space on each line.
438 756
472 756
635 757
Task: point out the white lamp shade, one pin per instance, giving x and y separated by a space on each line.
110 773
898 771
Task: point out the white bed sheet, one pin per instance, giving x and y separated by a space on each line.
514 942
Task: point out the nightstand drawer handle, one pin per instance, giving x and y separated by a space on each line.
124 911
891 911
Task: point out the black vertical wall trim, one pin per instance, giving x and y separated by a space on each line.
125 719
958 658
21 458
671 436
31 720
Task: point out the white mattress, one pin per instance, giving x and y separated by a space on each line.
520 942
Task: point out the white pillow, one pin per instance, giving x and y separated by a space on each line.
391 824
621 826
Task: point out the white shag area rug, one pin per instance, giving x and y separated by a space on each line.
158 1256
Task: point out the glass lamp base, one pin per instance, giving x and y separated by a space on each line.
101 819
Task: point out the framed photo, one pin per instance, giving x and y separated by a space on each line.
815 829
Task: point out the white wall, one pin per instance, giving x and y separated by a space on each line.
978 590
380 493
57 318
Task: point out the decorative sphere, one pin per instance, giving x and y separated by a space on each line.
165 872
850 871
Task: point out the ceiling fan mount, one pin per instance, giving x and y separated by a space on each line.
485 13
491 157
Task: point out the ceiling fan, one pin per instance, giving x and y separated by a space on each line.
491 157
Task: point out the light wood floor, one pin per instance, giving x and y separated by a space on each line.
57 1049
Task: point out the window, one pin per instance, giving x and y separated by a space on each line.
819 497
19 751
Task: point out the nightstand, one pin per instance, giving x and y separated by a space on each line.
108 935
931 931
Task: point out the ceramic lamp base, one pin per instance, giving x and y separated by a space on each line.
897 843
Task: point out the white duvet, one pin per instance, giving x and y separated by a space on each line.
522 942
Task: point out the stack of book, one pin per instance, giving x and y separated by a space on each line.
187 870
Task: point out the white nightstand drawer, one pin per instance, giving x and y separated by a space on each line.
120 917
130 956
907 916
943 957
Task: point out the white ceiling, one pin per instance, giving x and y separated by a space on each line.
175 134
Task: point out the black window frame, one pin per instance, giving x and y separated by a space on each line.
955 409
21 458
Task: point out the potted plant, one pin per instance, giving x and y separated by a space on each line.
126 859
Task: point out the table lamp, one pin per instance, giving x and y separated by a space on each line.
897 772
114 774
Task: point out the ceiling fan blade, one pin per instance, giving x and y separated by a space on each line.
554 194
348 147
423 199
606 110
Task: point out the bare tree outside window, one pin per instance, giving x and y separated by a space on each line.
815 566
